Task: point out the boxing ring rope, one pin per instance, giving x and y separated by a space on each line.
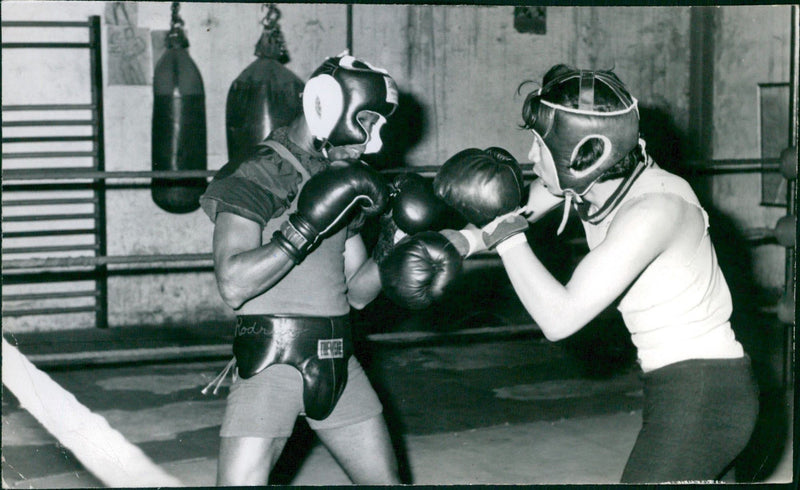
711 167
790 269
756 235
101 449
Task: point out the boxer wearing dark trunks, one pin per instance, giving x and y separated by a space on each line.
289 260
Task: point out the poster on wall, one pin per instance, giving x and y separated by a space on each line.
122 13
128 46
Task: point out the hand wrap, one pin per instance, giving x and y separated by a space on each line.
503 228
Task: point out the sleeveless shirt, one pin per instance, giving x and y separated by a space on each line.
675 310
263 188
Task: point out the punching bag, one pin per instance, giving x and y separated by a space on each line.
179 124
265 96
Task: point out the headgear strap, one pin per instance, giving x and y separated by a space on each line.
611 203
586 95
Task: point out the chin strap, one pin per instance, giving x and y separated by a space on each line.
582 207
615 198
343 152
568 197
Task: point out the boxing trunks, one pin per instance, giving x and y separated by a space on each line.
318 347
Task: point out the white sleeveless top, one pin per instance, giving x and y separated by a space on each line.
675 311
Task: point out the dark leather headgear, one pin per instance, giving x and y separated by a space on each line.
564 129
341 89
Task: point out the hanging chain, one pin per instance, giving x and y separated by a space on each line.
176 38
177 22
270 20
271 44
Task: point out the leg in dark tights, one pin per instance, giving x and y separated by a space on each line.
698 416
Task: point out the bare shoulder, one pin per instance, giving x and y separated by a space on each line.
657 218
662 208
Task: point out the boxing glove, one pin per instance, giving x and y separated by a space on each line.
480 184
419 269
501 230
486 187
324 204
412 208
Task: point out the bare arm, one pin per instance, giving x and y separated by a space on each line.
639 234
245 268
363 279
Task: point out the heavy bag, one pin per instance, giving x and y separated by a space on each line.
179 126
265 96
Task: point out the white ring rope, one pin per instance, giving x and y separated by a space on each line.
101 449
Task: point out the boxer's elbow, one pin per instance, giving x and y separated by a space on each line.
558 327
230 290
360 299
356 304
552 334
231 295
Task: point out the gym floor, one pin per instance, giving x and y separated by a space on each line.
470 406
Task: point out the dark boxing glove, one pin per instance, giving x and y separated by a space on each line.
417 272
484 185
324 204
413 208
480 184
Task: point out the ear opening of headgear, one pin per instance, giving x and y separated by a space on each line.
564 129
602 160
342 88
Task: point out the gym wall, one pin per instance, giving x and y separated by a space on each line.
458 69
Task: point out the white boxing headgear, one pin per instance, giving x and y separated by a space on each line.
340 92
564 129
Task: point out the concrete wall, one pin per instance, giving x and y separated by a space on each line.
751 48
458 68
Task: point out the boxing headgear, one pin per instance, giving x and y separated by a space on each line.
341 94
564 129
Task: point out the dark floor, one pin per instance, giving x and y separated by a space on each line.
465 405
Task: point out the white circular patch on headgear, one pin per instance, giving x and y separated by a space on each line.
323 103
602 160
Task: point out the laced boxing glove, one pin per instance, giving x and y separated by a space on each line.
413 208
419 269
486 187
416 270
324 204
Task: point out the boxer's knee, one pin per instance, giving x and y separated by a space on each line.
247 460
